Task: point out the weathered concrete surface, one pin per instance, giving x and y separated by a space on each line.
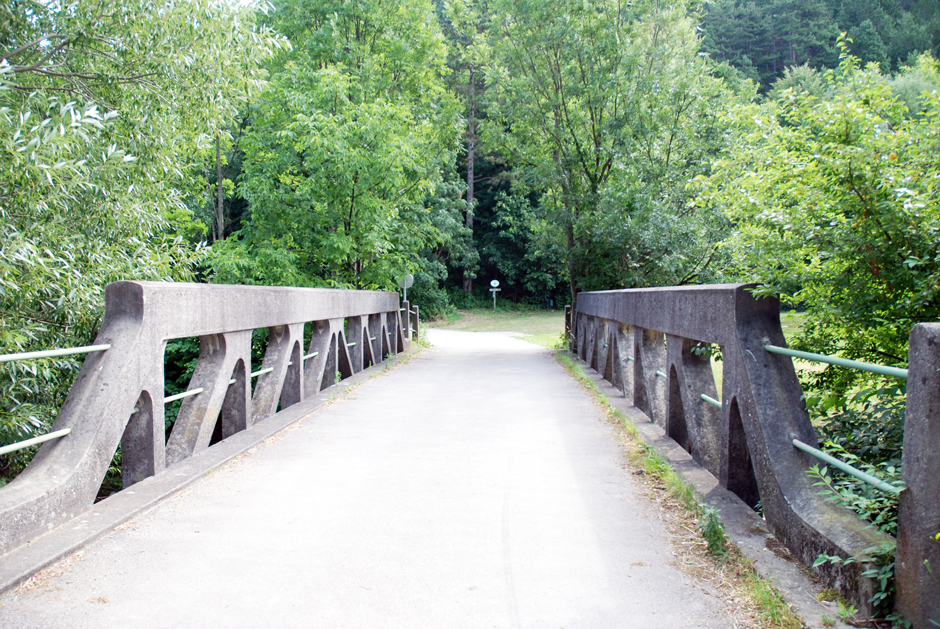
918 551
492 493
748 444
743 526
18 566
117 397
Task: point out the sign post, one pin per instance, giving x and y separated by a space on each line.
494 290
406 281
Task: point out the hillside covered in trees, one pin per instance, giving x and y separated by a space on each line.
555 146
763 38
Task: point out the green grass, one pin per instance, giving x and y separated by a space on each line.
538 326
545 328
792 323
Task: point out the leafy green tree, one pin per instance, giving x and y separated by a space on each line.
450 250
867 45
761 38
834 206
910 84
524 249
598 106
799 80
740 34
852 13
356 127
466 24
106 112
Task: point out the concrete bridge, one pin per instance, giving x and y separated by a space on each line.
476 485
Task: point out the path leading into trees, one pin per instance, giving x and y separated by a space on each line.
476 486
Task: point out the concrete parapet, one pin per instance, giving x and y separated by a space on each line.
118 395
917 565
653 344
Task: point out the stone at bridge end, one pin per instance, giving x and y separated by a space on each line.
918 554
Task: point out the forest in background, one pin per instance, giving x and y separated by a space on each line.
762 38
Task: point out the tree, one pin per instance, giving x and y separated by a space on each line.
867 45
740 34
355 128
106 114
588 94
763 37
524 249
467 22
834 205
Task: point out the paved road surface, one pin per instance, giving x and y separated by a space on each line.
477 486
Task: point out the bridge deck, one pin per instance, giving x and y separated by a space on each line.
477 486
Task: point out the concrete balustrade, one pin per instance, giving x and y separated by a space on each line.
630 335
917 565
118 399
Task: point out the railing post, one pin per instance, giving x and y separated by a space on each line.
416 323
917 567
762 411
406 319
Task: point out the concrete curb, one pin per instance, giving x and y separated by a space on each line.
743 526
17 566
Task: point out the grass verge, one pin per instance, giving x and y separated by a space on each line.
702 548
545 328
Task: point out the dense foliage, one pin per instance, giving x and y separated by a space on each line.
606 111
834 206
344 148
107 110
762 38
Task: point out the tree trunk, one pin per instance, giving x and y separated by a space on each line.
220 234
572 270
471 154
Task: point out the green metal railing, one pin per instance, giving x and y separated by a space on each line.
50 353
710 400
56 353
180 396
53 353
13 447
848 469
894 372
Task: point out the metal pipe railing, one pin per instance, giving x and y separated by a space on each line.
848 469
710 400
13 447
50 353
836 463
894 372
184 394
53 353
